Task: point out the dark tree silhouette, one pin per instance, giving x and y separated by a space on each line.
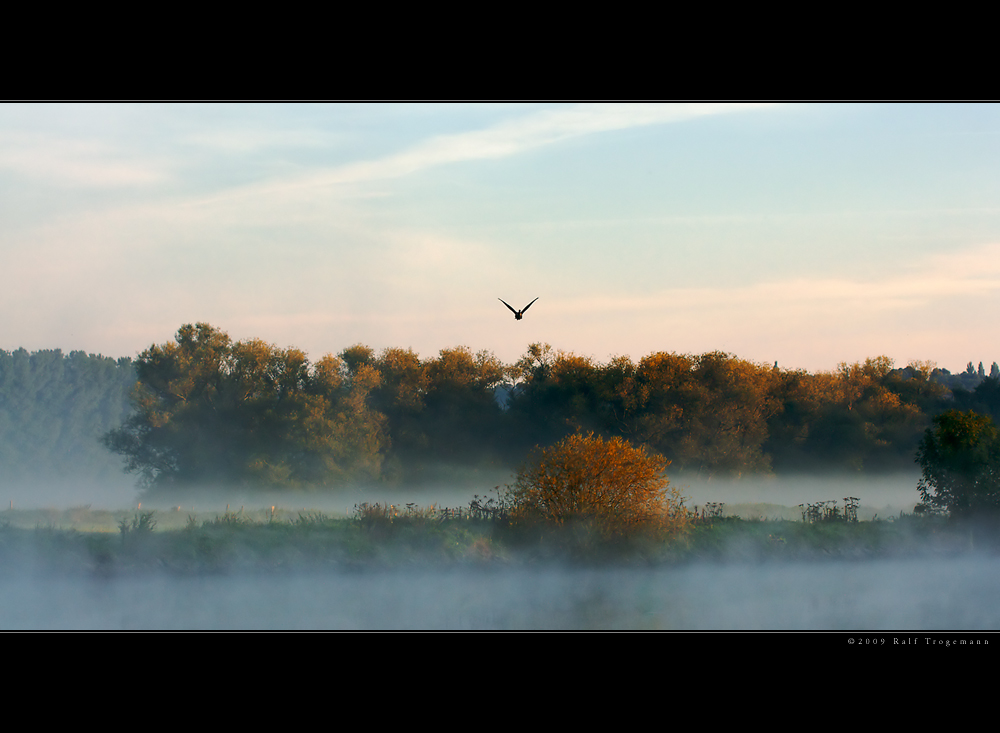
960 459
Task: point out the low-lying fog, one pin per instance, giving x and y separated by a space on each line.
882 495
885 495
958 593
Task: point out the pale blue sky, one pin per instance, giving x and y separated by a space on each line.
806 234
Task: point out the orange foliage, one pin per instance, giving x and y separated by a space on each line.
618 488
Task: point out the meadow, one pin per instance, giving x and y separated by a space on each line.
85 540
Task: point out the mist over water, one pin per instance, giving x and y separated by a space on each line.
958 593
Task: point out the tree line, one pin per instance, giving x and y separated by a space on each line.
54 409
210 411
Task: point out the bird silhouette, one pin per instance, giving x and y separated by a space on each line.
517 314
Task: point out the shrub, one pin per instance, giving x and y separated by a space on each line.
610 485
142 524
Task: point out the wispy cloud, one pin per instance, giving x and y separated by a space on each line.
965 273
510 137
74 162
529 132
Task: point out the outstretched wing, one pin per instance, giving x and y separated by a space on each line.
508 305
527 306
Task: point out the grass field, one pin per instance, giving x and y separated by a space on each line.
87 540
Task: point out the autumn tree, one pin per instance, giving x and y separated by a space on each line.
792 430
616 488
914 385
960 461
355 356
461 417
622 395
401 396
662 398
557 393
864 415
706 412
730 423
209 411
404 381
346 438
534 365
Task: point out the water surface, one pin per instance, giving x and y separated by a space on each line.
885 594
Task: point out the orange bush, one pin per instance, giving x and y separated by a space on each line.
617 488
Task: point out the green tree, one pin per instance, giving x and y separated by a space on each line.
960 461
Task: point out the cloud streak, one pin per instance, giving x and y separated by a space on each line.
969 273
504 139
74 163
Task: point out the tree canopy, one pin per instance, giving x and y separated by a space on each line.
208 410
213 412
960 461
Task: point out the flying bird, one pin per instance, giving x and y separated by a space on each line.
517 314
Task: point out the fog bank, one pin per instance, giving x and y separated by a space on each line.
884 495
887 495
950 593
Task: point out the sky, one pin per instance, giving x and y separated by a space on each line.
806 234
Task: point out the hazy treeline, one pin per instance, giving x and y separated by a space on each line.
55 407
717 413
210 411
